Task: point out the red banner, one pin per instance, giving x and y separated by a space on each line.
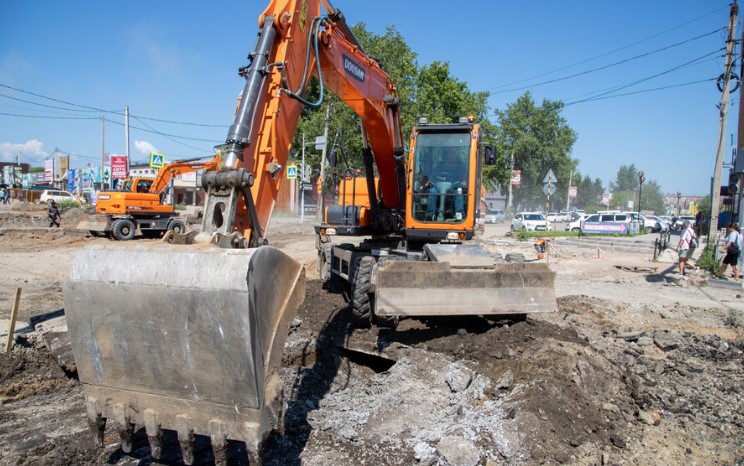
516 178
118 167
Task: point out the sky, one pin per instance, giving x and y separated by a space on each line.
638 78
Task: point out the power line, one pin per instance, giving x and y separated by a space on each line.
594 70
49 117
95 109
615 50
645 79
166 135
592 99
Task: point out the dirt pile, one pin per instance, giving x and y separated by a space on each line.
651 374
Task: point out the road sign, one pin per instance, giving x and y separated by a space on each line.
550 177
291 172
573 191
320 142
516 178
157 160
549 189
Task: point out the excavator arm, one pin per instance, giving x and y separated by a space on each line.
172 170
295 42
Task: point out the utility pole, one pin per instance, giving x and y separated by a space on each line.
126 137
321 204
511 175
103 146
740 133
716 198
568 194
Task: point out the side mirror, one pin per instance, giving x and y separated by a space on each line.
489 155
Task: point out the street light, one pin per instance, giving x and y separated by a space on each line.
641 179
679 195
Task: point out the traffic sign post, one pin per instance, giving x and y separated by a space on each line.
549 189
157 160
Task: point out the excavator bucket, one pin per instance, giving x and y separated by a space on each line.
182 338
462 280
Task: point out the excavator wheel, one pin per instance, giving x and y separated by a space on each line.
361 298
123 230
177 226
331 281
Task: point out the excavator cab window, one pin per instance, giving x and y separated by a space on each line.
441 171
143 186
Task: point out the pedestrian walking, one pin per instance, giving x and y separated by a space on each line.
732 249
54 216
686 246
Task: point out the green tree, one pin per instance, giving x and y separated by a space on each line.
653 199
627 179
540 139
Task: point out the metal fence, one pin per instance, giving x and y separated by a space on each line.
661 243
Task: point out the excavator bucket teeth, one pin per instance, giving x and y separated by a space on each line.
424 288
182 338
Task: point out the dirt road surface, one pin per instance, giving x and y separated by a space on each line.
637 367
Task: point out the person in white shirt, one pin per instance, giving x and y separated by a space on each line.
685 248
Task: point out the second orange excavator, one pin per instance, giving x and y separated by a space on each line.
142 204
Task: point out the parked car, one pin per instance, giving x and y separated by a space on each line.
679 224
58 196
573 216
606 217
664 225
575 224
531 221
554 217
495 216
650 226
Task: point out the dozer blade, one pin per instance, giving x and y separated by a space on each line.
95 224
425 288
183 338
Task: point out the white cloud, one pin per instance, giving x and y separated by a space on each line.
144 147
31 152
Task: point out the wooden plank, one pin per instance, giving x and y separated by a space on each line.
13 316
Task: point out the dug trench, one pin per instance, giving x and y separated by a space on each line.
559 388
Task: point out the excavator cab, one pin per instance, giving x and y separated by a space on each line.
424 259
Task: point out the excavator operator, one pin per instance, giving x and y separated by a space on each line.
450 178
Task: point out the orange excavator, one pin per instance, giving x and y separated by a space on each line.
187 335
142 204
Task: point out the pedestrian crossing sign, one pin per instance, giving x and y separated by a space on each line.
291 172
157 160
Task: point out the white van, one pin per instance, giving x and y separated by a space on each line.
58 196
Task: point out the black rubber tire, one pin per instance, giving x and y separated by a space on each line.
177 226
123 230
361 299
576 230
